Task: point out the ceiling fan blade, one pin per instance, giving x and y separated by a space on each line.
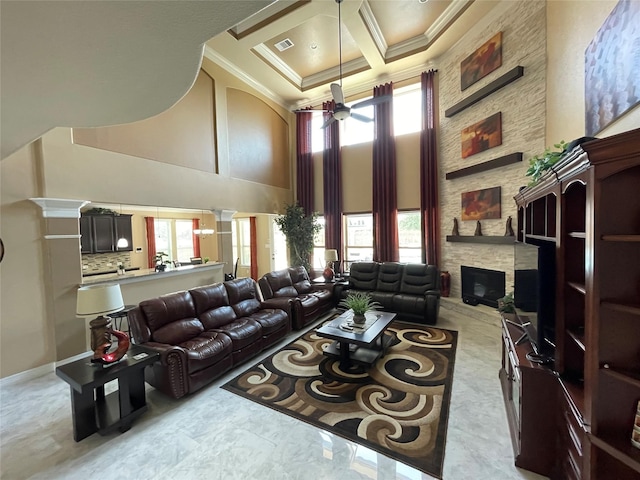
329 121
373 101
362 118
302 110
336 92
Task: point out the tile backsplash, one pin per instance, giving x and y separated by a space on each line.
104 262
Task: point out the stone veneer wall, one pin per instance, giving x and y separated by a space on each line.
522 103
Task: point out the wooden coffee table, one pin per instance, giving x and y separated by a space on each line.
357 346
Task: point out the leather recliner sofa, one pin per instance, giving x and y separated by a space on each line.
291 290
203 332
411 290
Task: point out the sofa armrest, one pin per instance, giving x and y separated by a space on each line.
170 373
432 292
283 303
340 290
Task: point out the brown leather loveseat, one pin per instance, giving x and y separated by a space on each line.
203 332
291 290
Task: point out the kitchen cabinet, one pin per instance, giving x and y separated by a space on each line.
100 233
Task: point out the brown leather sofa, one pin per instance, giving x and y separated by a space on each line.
412 290
203 332
291 290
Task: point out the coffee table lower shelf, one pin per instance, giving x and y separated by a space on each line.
366 356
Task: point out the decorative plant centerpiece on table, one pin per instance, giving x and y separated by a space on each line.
360 303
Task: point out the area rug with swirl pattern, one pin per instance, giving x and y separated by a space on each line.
399 407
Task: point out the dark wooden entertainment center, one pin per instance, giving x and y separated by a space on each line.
573 418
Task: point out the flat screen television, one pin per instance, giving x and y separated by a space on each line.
534 295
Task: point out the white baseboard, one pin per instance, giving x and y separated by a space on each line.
36 372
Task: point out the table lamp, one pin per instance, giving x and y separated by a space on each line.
98 301
330 256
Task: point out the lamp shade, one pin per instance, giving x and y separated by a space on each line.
331 255
97 300
122 243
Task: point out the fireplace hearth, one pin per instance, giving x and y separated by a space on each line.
480 285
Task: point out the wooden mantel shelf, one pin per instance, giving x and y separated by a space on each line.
494 239
511 76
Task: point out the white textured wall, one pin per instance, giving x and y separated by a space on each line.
522 103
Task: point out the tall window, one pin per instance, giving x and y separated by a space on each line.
409 236
175 238
318 247
241 239
163 236
358 232
184 240
407 118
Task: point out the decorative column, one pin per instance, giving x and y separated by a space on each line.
225 243
63 272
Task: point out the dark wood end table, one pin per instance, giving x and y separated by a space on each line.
91 410
353 346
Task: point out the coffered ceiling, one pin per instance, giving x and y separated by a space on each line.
382 40
86 64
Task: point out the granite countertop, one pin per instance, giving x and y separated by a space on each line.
147 274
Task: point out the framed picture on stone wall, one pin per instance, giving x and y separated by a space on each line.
612 68
480 204
482 135
483 61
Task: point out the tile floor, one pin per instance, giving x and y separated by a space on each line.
215 434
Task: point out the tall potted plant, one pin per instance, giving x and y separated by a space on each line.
299 230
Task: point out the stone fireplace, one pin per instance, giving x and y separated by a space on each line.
480 285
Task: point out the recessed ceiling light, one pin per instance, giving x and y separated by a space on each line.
313 46
423 1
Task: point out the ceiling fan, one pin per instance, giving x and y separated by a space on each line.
342 111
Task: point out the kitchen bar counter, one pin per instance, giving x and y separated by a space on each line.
139 285
149 274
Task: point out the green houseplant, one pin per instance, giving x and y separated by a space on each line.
539 164
507 304
299 230
161 263
360 303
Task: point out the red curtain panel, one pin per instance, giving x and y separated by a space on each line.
385 198
151 241
429 173
304 163
332 186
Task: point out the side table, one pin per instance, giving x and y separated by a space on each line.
91 410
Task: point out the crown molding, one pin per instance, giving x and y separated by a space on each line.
212 55
59 207
268 56
373 27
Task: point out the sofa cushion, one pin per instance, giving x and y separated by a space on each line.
243 332
172 318
418 278
410 304
364 275
212 305
271 320
168 308
177 332
206 349
325 296
383 298
300 280
279 284
389 276
243 296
